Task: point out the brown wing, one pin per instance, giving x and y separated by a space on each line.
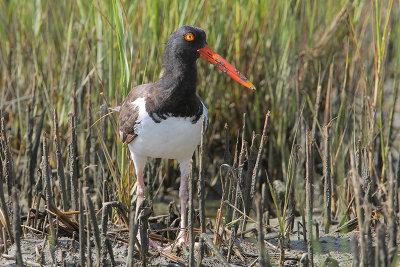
159 105
128 114
127 120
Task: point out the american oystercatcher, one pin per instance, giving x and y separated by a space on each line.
164 119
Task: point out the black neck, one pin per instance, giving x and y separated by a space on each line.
180 75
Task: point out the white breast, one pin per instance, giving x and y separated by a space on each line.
173 138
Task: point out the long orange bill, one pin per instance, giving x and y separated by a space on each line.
208 54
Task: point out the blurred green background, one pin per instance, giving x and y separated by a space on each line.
347 50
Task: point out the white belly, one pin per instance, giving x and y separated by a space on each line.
173 138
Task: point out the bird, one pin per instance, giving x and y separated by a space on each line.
164 119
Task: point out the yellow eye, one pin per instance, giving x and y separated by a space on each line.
189 37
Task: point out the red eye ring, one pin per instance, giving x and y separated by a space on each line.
189 37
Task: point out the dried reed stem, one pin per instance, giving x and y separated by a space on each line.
82 234
153 168
326 167
231 180
355 179
132 237
191 217
52 238
248 181
17 227
105 242
214 249
104 194
392 216
201 189
32 161
110 252
366 177
327 113
143 215
60 164
309 196
316 108
381 252
259 154
359 162
239 183
45 166
46 174
397 187
4 236
89 250
104 136
264 257
29 181
73 160
264 195
88 143
93 223
6 161
291 206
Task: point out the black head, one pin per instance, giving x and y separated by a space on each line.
184 47
183 44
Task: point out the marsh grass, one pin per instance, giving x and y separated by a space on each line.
314 64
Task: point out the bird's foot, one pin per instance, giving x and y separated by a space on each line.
182 240
152 244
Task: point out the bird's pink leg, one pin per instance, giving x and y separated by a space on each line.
183 197
140 185
152 244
